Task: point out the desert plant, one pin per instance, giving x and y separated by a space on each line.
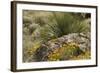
66 23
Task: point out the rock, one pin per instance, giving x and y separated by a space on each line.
41 53
83 41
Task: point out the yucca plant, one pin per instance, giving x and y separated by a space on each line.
65 23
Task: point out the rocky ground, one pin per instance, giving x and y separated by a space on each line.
67 47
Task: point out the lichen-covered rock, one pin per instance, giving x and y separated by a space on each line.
63 48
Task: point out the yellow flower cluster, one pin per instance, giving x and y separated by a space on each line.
30 51
65 52
54 56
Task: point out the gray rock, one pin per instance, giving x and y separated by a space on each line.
79 38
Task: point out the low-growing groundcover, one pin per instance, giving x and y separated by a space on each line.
56 36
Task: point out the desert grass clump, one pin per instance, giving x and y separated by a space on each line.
65 23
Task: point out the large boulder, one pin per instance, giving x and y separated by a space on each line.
81 43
